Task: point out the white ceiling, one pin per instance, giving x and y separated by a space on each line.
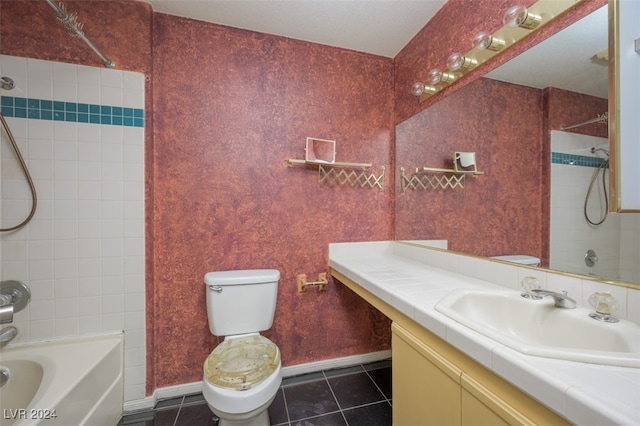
380 27
384 27
564 60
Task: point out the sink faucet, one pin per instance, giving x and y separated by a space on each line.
560 300
7 334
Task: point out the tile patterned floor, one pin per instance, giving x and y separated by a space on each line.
353 396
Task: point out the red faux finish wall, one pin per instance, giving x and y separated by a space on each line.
121 29
452 30
230 107
498 212
565 108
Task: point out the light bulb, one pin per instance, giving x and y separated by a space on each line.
519 16
419 89
456 61
436 76
484 41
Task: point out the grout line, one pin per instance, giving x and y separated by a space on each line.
319 416
286 406
335 398
175 421
376 385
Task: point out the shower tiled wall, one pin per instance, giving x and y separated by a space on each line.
616 242
82 255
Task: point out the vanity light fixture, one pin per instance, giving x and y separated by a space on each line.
419 89
436 76
485 41
519 16
459 62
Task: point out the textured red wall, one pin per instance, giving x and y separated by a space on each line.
565 108
230 107
121 29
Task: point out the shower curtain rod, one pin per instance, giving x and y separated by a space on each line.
74 29
601 118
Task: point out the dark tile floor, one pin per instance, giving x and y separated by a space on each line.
353 396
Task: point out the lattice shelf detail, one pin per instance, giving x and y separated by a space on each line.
448 179
351 177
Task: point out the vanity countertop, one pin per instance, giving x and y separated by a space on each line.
405 278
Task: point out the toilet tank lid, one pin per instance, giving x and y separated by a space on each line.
519 258
246 276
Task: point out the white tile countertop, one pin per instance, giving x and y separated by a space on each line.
413 279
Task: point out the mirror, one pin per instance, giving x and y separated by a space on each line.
519 120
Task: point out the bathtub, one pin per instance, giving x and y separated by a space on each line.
64 382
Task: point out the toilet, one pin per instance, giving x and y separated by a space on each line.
243 373
522 259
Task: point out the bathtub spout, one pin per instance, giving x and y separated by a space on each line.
6 313
7 334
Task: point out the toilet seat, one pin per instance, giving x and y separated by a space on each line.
241 362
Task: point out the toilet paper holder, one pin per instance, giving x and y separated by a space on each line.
321 283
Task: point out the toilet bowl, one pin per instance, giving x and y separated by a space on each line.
242 375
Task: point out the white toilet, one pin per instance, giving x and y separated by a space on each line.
243 373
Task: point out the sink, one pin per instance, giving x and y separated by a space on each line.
537 327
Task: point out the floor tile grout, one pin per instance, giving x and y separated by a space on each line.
335 398
175 421
324 375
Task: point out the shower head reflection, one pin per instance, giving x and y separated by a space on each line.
594 150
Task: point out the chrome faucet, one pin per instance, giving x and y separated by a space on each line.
14 297
6 309
561 300
7 334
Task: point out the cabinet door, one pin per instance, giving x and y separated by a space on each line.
482 407
474 412
426 387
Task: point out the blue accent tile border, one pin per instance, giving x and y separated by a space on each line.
575 160
42 109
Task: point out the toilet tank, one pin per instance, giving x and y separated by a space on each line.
242 301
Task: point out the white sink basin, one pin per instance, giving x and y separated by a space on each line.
537 327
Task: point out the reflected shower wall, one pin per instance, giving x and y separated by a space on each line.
616 241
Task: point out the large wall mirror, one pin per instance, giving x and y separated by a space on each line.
538 126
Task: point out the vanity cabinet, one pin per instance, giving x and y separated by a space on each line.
435 384
426 387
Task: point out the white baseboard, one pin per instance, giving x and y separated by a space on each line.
347 361
176 391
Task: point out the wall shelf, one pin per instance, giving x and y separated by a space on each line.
352 174
426 178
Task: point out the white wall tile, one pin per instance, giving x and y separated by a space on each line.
72 254
39 69
16 68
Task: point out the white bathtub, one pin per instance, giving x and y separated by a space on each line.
65 382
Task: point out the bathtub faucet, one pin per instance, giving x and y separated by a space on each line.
6 309
7 334
14 297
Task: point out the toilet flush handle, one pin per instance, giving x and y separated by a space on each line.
215 288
